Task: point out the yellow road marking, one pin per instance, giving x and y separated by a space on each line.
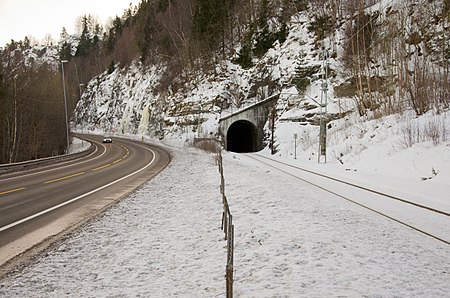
72 176
102 167
12 190
64 178
126 150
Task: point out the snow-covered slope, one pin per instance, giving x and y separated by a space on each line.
122 102
129 99
291 240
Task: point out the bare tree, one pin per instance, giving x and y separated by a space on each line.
30 102
359 35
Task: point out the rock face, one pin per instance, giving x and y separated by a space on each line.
130 99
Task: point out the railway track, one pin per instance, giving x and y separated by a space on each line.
424 219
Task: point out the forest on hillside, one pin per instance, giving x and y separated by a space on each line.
392 58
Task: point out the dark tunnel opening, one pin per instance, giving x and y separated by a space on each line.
242 137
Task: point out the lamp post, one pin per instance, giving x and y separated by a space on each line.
65 105
295 145
82 130
323 109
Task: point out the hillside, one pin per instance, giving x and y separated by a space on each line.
384 84
384 59
388 128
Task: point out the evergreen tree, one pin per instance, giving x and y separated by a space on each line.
145 25
64 34
114 32
245 54
84 46
210 17
65 52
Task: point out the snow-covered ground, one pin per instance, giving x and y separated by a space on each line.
291 240
78 145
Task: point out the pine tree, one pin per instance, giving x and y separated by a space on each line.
114 32
84 46
210 17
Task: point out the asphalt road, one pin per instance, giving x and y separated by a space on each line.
40 204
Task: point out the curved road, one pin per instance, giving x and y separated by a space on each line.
40 203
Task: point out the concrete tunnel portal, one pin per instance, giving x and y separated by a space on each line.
242 137
243 130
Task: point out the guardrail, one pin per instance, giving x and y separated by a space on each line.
31 164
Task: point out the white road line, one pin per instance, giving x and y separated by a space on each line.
79 197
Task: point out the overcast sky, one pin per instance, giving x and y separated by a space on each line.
20 18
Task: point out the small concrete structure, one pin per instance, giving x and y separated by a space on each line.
243 130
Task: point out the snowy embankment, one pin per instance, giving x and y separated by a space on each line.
290 240
78 145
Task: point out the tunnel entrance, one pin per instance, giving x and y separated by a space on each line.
242 137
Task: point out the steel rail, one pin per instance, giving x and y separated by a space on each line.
360 187
352 201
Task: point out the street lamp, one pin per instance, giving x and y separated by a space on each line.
65 105
82 130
